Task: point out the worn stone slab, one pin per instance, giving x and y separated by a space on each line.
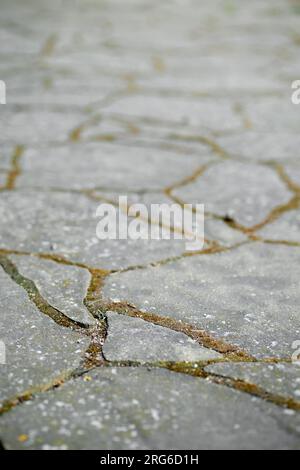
219 231
3 179
277 379
5 157
153 134
205 114
111 166
293 171
64 287
215 230
274 115
244 191
248 296
286 228
136 340
37 127
140 409
37 349
221 70
262 146
65 224
205 80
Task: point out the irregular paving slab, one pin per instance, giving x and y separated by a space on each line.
262 146
273 115
205 79
286 228
141 409
214 230
37 127
152 134
217 230
243 191
293 172
136 340
48 87
65 224
278 379
37 350
205 114
110 166
64 287
248 296
5 157
3 180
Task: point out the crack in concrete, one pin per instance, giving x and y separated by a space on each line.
15 170
33 294
49 46
195 369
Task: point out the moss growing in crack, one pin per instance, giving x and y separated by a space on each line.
49 46
255 391
34 295
15 168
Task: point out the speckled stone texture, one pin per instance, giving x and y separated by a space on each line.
136 344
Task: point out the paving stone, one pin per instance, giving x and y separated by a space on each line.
37 350
5 157
52 94
274 115
278 379
219 188
154 134
293 171
3 179
286 228
95 166
136 340
217 230
64 287
149 82
261 146
241 296
65 224
41 127
203 114
140 409
214 229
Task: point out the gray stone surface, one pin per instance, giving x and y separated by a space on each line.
206 115
140 409
248 296
130 98
286 228
37 350
243 191
274 115
65 224
215 230
293 171
278 379
262 146
5 157
37 127
64 287
110 166
3 179
136 340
